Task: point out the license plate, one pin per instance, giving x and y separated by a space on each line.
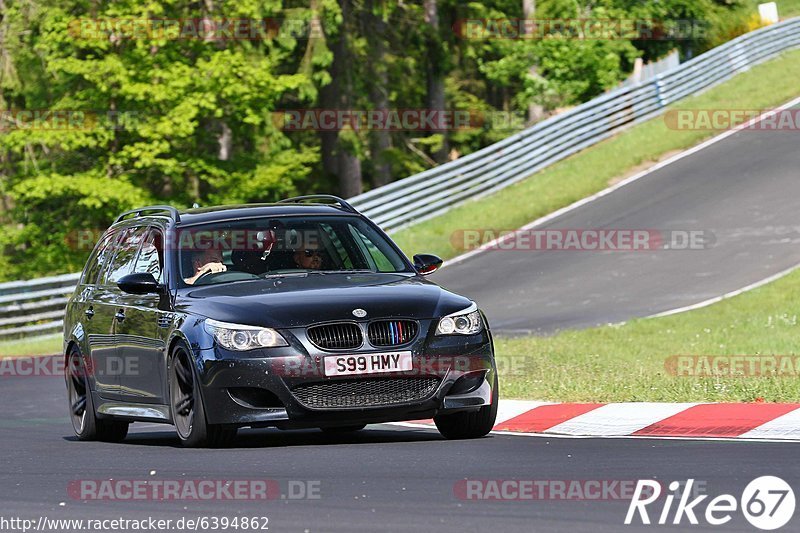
368 363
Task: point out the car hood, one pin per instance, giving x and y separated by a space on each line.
292 301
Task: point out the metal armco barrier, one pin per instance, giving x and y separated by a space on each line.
36 307
435 191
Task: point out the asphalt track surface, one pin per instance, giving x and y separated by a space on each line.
742 191
385 478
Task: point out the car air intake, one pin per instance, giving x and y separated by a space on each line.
392 332
372 392
340 336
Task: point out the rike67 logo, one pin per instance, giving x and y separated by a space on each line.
767 503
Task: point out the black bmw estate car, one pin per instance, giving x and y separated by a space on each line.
297 314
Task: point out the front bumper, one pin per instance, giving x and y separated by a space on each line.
260 388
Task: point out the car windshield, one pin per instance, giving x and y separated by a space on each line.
238 250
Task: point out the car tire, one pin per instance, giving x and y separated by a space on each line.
470 424
343 429
84 420
186 406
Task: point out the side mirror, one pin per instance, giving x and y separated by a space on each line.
427 263
141 283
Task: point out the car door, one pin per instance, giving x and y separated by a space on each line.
141 339
97 318
111 313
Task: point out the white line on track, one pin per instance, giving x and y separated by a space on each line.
635 177
627 181
737 292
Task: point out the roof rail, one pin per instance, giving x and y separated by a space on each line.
173 212
335 199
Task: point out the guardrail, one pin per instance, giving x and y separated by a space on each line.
435 191
34 307
37 307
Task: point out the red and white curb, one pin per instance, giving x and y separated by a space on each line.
751 421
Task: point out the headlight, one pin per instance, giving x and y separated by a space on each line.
466 322
241 338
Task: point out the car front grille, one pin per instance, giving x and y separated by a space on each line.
392 332
365 392
339 336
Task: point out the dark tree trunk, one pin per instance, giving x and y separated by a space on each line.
337 158
434 71
380 139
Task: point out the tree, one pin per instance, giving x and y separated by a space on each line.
375 29
535 110
181 118
435 70
340 146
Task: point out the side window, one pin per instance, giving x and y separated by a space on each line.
125 257
99 258
344 257
376 257
150 258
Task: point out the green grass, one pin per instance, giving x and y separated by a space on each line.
47 345
591 170
788 8
627 362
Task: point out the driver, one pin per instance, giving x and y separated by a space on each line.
206 262
308 257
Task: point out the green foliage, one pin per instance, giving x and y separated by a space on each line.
175 120
84 205
153 118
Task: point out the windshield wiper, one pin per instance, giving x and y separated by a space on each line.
343 271
304 273
300 274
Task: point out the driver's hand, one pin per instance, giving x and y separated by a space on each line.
208 268
212 268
